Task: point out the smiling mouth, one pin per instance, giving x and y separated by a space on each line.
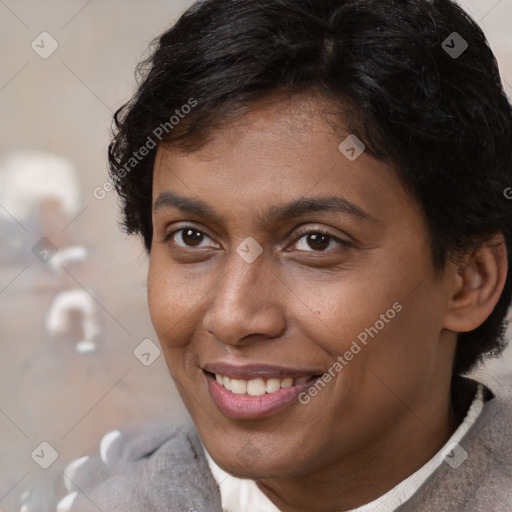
258 386
255 398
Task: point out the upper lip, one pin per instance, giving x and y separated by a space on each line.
254 371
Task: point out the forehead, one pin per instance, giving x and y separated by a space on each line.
276 119
275 152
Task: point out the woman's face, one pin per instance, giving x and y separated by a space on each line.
276 260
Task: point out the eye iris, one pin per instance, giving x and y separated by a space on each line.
318 241
195 237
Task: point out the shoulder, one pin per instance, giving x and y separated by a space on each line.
492 437
156 466
483 479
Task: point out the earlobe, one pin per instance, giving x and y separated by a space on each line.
478 285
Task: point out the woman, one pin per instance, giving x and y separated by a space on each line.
320 186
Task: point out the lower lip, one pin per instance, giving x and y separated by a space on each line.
245 407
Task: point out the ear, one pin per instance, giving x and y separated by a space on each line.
477 286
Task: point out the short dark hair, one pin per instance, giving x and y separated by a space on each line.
442 120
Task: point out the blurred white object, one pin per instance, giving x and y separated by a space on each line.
66 503
74 311
28 177
76 254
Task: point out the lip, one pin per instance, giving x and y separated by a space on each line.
245 407
254 371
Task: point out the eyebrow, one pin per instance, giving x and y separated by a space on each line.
276 213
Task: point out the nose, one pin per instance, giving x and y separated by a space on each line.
246 304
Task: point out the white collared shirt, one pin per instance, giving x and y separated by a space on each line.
243 495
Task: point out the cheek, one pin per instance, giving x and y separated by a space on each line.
158 295
404 356
172 309
171 302
334 310
384 317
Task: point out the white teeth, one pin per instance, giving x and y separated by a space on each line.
287 383
273 385
257 387
238 386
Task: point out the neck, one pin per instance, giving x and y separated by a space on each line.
365 476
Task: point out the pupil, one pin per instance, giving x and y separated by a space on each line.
195 240
321 241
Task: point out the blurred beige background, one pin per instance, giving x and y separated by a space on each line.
68 386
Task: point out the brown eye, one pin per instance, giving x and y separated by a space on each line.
318 241
192 237
188 237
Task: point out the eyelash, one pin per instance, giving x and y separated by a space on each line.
318 231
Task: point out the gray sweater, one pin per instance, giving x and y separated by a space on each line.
163 468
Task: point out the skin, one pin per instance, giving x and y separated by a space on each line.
301 305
